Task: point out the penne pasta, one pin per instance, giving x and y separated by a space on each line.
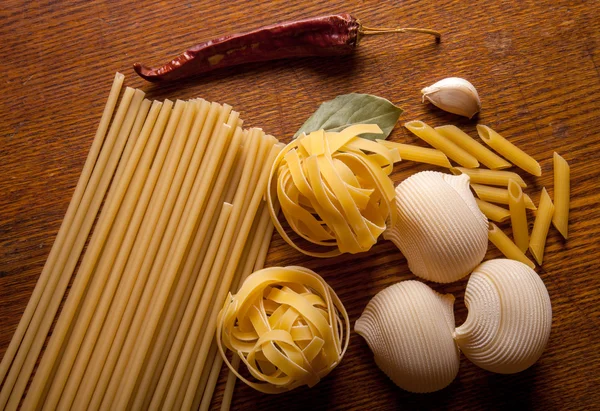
562 194
484 155
492 211
506 246
537 242
435 139
418 154
518 216
499 195
511 152
489 177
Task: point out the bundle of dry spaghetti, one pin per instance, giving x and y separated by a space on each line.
182 223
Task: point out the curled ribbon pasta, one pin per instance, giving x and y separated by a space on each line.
334 190
287 325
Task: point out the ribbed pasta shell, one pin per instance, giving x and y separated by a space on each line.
509 319
439 228
408 326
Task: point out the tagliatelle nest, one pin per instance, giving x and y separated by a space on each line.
334 190
287 325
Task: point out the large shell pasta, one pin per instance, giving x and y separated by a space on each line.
408 326
509 318
439 228
287 325
334 190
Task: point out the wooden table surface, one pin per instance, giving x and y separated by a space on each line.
535 64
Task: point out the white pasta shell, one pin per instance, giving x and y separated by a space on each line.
439 228
408 326
509 318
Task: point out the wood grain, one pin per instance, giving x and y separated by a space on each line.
536 65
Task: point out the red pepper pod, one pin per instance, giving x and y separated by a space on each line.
332 35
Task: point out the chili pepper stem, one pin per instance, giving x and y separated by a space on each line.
363 30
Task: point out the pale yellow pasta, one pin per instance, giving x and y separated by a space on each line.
435 139
510 317
59 242
511 152
489 177
409 327
418 154
484 155
537 242
518 216
562 194
439 228
287 326
117 336
499 195
334 190
505 245
492 211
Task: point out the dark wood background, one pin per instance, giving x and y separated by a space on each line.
535 64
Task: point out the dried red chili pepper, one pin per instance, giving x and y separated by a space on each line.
332 35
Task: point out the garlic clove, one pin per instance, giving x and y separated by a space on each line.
509 320
455 95
409 327
439 228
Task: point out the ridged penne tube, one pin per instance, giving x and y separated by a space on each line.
484 155
435 139
439 228
506 246
562 194
408 326
518 216
509 320
492 211
489 177
499 195
537 242
511 152
418 154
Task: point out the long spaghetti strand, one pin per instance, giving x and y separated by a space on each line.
228 274
69 254
207 276
177 191
65 226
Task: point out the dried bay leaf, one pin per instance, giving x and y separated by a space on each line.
353 108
